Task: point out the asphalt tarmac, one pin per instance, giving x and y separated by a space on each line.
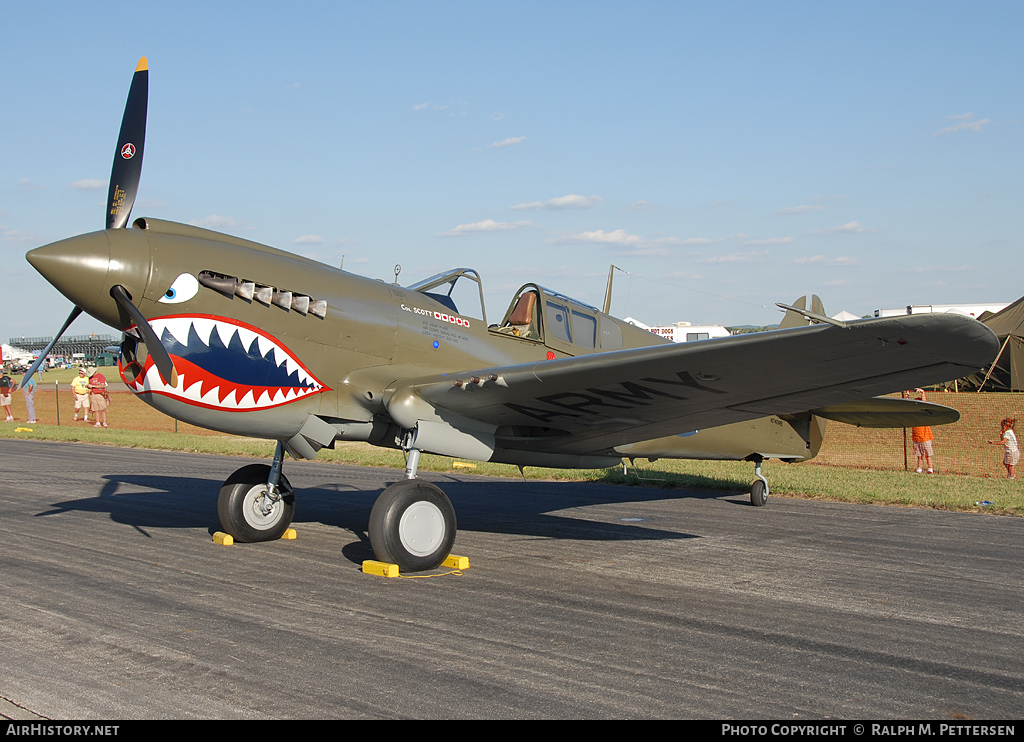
582 601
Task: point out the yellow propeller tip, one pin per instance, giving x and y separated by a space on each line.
142 65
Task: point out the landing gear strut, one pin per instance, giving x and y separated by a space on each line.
412 523
759 489
256 502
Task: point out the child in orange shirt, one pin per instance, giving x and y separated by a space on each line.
922 438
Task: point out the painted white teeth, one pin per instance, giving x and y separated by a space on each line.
212 397
181 328
204 329
177 326
226 332
246 336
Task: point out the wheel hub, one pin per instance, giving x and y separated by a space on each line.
421 528
261 511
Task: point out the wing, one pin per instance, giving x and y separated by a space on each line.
588 404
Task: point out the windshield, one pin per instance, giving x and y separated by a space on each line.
459 289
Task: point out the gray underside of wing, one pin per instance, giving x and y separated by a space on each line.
594 402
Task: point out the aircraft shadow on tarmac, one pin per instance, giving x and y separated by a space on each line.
523 508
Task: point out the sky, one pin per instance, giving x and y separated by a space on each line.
724 156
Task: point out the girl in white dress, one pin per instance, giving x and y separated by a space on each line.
1011 452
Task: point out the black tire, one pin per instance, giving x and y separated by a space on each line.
758 493
238 501
413 525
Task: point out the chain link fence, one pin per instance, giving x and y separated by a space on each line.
960 448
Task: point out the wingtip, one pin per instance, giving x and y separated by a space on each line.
143 65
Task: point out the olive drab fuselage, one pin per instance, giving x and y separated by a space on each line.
336 364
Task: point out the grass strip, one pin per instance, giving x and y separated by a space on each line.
804 480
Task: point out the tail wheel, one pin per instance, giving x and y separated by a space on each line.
247 512
413 525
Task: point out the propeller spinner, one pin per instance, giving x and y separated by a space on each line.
125 175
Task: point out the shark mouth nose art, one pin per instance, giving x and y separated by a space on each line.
223 364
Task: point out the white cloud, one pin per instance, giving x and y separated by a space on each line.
510 142
770 241
89 184
310 239
965 122
458 109
13 235
487 225
215 222
848 228
638 206
633 244
572 201
619 237
622 238
27 185
754 256
802 209
688 241
823 260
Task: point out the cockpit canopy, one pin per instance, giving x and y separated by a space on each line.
442 289
537 314
559 322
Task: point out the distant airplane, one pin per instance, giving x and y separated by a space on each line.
238 337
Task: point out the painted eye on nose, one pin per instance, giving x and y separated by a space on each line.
184 288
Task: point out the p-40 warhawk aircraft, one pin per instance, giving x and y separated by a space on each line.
242 338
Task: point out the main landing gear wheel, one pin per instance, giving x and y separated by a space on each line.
412 524
246 510
759 489
758 493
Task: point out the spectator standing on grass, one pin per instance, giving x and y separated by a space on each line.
30 398
1011 452
99 398
80 388
6 385
922 438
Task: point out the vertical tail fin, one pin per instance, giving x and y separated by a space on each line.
794 319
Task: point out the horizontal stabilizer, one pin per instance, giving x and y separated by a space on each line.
888 412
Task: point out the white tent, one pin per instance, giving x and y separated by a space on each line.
845 316
10 353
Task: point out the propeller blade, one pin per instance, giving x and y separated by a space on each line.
46 351
127 169
156 349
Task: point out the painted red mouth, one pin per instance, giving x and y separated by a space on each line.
223 364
